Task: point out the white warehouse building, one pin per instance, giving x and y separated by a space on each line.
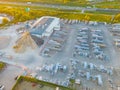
45 26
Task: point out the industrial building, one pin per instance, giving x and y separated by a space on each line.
45 26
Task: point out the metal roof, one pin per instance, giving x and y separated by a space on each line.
41 28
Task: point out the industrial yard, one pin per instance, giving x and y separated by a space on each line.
65 50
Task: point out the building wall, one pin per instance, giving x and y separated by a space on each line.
57 24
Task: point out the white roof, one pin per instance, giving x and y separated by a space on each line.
44 17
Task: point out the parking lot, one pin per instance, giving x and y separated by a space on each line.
80 51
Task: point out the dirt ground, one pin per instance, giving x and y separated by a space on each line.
4 41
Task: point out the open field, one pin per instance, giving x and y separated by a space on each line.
59 2
19 12
112 5
82 3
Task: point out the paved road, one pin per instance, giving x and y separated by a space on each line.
61 6
7 76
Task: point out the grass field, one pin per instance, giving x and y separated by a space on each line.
112 5
20 15
28 83
59 2
106 4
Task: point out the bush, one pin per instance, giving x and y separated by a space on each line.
5 20
2 65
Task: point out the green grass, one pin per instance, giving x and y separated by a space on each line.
33 80
19 14
83 3
102 12
112 5
59 2
2 65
